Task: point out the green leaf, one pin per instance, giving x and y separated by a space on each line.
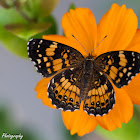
52 29
16 40
10 125
41 8
47 6
4 117
26 31
31 9
72 6
12 43
38 9
10 16
7 3
22 1
129 131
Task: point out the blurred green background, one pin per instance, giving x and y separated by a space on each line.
20 110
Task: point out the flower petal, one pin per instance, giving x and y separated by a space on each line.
122 112
79 122
119 24
133 89
135 43
67 41
41 89
82 24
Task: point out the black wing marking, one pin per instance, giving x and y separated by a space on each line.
120 66
101 97
64 89
50 57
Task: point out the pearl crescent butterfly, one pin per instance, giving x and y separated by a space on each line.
76 78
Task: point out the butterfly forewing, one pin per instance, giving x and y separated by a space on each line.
64 89
50 57
120 66
100 97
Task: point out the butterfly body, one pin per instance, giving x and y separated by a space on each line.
78 79
86 77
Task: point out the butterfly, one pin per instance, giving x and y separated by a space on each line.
77 78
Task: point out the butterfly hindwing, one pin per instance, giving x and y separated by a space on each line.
64 89
100 97
120 66
50 57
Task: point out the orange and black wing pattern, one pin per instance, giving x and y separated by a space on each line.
64 89
50 57
120 66
100 97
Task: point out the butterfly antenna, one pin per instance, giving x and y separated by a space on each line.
98 44
80 44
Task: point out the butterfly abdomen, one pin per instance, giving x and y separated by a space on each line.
88 68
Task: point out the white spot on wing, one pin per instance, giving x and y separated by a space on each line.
133 54
92 114
27 48
53 80
121 52
71 69
36 68
68 110
41 41
101 73
48 85
28 43
60 108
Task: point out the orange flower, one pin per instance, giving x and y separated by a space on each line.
120 26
